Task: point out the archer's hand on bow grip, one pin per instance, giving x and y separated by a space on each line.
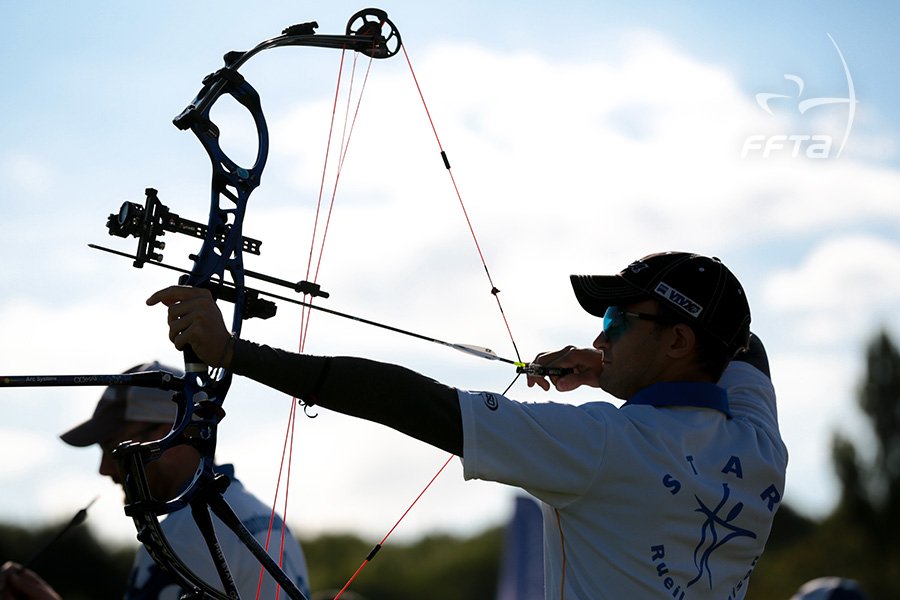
585 365
196 321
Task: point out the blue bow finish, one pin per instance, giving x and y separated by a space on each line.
219 265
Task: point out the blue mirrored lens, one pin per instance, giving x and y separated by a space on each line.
613 323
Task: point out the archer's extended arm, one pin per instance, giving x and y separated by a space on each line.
384 393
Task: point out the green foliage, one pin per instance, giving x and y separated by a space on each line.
880 399
436 567
72 564
860 539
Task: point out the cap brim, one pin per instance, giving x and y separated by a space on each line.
596 293
93 431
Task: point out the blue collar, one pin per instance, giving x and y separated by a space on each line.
683 393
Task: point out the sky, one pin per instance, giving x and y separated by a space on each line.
582 136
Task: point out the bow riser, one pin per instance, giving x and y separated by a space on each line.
204 392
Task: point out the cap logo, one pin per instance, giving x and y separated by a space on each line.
638 266
678 299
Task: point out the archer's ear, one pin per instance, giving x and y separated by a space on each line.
683 341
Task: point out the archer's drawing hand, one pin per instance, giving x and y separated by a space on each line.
195 320
586 365
19 583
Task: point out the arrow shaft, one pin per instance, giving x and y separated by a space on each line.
460 347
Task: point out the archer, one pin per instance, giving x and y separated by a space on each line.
618 486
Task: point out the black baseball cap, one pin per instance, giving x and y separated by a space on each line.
699 289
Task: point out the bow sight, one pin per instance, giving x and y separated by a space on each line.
154 219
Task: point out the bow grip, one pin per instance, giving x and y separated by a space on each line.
193 363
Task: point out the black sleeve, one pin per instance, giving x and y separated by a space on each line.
756 355
384 393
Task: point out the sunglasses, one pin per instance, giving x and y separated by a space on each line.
615 321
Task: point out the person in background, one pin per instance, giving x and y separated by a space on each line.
144 414
830 588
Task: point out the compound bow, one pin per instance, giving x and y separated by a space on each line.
219 267
369 32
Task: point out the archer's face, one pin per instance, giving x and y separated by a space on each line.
635 357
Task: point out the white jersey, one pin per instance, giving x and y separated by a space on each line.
149 582
666 497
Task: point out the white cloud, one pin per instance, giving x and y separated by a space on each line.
28 175
645 149
29 449
815 400
843 287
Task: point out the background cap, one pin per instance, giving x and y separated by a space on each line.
700 289
123 404
830 588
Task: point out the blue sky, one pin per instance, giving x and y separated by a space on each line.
582 134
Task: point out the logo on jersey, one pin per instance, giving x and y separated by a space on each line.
678 299
720 521
490 401
715 532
